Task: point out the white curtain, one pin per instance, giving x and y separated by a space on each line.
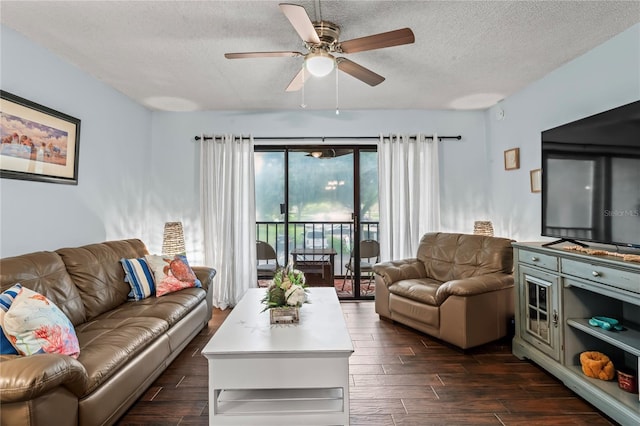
409 191
227 209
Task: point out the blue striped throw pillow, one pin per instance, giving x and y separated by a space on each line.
6 299
139 277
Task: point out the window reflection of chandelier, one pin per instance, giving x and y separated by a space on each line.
333 184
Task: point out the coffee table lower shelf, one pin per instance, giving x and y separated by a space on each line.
257 389
279 401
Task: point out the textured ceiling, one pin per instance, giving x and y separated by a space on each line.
168 55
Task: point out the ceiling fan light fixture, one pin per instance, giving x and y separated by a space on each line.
319 63
316 154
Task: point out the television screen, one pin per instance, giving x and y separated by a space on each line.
591 178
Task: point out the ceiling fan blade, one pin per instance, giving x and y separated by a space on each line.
298 81
378 41
298 17
359 72
243 55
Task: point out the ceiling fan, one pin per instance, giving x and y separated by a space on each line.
321 40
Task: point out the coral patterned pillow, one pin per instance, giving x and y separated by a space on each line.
171 273
6 300
34 324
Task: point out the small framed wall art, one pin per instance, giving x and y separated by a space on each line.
38 143
512 159
536 180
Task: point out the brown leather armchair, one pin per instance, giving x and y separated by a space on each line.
458 288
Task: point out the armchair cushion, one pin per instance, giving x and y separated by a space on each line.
423 290
453 256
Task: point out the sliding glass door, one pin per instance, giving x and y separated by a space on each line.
315 205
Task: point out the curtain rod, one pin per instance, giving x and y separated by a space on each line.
325 138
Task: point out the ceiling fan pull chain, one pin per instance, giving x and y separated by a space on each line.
337 108
303 105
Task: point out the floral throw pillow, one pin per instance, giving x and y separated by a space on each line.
6 300
34 324
171 273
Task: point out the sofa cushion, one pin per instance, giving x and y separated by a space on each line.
170 308
449 257
45 273
421 290
97 273
34 325
106 344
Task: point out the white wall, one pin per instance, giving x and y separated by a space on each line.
115 140
176 194
603 78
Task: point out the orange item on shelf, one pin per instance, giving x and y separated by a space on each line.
597 365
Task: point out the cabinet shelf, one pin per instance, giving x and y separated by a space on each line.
627 340
611 388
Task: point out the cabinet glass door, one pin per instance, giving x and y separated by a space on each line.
538 308
539 299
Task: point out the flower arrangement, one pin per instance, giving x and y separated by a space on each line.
288 289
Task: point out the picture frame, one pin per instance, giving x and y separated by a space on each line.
512 159
535 176
37 143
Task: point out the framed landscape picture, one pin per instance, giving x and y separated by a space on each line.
38 143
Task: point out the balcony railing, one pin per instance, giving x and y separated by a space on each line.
336 235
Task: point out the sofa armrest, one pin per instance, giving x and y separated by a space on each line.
474 285
26 377
205 274
397 270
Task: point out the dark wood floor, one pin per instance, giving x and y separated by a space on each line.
398 377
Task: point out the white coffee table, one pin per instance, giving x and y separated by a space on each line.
293 374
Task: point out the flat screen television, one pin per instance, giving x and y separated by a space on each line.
591 179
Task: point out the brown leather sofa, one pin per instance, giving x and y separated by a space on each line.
124 345
459 288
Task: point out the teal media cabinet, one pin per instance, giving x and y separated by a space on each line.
557 292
